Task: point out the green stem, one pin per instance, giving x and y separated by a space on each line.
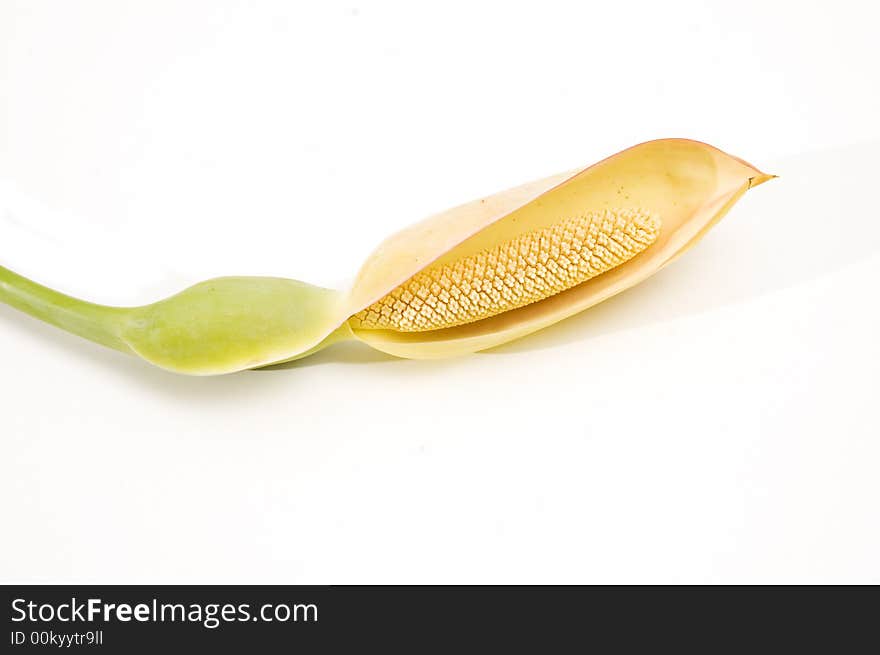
97 323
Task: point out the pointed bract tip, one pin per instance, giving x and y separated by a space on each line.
760 179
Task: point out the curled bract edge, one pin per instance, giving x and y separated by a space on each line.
680 188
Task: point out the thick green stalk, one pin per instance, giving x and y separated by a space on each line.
97 323
217 326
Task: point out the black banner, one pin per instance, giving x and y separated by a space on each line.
143 619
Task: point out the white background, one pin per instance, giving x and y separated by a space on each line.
717 423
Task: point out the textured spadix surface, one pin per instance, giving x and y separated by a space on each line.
515 273
473 277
